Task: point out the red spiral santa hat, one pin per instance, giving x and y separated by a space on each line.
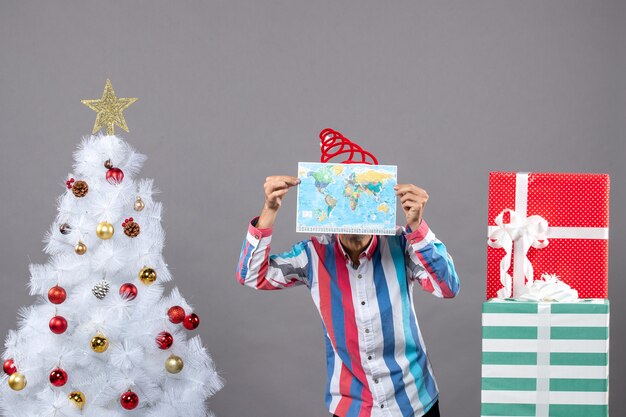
334 144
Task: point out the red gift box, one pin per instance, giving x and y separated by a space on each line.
548 223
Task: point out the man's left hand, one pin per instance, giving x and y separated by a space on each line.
413 200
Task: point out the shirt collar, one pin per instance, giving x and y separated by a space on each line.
368 252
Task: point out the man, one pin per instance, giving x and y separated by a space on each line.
361 285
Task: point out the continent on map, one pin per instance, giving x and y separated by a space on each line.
331 203
370 182
352 191
323 177
373 181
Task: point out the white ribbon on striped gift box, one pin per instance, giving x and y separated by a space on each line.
543 360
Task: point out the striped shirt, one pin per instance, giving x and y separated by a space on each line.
375 355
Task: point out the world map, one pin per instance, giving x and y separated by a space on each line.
346 198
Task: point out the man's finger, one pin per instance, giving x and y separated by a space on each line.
276 185
278 193
285 178
412 197
408 188
413 204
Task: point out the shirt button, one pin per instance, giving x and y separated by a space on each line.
362 303
382 406
367 330
360 276
369 358
376 381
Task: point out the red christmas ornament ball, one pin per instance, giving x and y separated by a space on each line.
164 340
58 377
114 176
56 294
176 314
58 324
128 291
129 400
9 367
192 321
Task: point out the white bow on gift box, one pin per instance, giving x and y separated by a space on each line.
525 232
549 288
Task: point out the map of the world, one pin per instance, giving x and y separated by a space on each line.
346 198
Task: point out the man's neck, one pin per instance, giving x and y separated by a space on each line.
354 245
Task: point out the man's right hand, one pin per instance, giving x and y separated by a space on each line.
275 189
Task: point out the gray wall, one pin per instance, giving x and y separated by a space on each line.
233 91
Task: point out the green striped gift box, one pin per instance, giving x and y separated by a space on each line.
545 359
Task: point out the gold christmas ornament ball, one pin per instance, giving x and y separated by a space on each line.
105 230
147 275
80 248
17 381
99 343
139 204
174 364
78 398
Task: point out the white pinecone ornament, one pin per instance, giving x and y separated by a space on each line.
101 289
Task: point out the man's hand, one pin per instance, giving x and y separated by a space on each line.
413 200
275 188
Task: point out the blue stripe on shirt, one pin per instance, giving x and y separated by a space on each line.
416 366
386 317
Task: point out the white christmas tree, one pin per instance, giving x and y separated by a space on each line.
102 339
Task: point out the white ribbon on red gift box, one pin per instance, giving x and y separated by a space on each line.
523 232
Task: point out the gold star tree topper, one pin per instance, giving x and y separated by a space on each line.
109 109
